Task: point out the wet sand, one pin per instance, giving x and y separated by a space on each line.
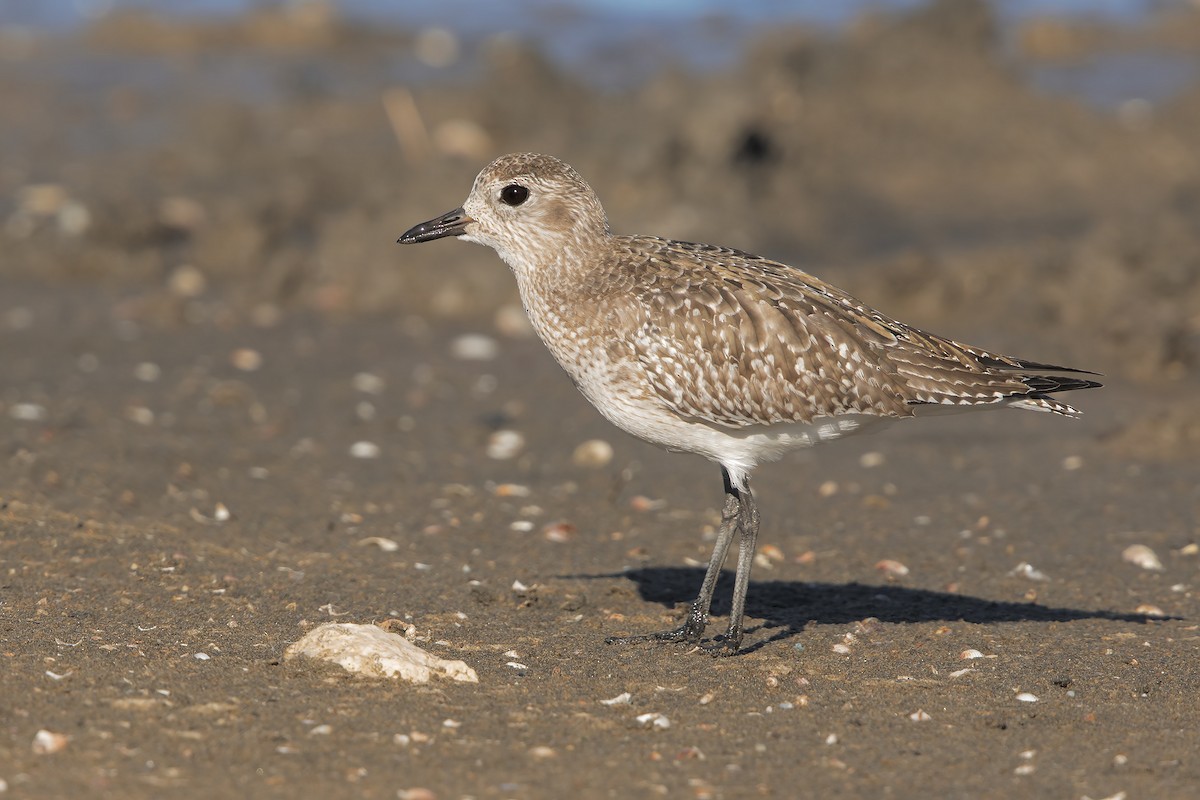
233 319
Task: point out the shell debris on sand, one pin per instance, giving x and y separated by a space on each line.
365 449
505 444
246 359
1143 556
653 720
1027 570
371 651
474 347
47 742
892 568
592 453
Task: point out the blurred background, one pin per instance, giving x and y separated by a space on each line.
1026 172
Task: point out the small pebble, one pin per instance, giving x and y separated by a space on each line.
474 347
623 699
558 531
1026 697
364 450
367 383
321 730
653 720
505 444
593 453
872 459
74 218
202 656
831 739
1027 570
543 752
1150 610
891 568
828 489
43 199
246 359
966 655
416 793
386 545
919 716
140 415
521 526
642 503
182 213
28 412
1072 463
1142 556
1025 769
47 742
187 281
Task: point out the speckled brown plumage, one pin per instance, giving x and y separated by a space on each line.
715 351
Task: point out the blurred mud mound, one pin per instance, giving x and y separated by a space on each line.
224 169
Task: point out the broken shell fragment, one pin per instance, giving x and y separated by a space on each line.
371 651
1142 556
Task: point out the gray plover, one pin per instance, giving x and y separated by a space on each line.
715 351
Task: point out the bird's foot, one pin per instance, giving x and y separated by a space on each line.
720 647
727 644
690 632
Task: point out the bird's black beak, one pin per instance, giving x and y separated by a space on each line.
452 223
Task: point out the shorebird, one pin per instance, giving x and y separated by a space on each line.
715 351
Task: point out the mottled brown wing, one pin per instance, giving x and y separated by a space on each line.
738 340
723 339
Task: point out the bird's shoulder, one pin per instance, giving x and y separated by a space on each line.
738 339
703 284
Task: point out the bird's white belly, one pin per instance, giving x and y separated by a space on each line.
738 449
620 391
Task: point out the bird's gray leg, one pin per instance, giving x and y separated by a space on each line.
693 628
729 643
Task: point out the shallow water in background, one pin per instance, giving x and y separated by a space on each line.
619 43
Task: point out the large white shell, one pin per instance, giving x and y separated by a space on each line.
371 651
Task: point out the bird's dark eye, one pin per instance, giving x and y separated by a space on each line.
514 194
